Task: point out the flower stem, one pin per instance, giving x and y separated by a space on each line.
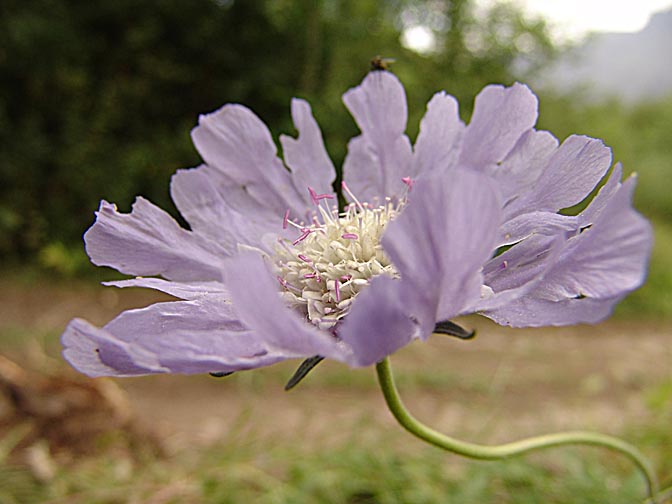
482 452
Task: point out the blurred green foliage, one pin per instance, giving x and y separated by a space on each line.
97 97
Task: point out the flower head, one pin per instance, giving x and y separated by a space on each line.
271 269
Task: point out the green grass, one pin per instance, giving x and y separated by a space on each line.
364 470
371 465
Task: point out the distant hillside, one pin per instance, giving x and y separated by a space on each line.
632 66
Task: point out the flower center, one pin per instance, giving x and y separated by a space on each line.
334 258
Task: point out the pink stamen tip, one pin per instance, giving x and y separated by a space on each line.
337 288
287 285
345 278
304 235
313 196
349 236
285 221
305 259
310 275
408 181
324 196
504 265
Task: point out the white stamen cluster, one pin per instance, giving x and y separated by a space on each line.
331 261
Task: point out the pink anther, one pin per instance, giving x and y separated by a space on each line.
287 285
337 289
345 278
310 275
313 196
317 197
349 236
285 221
304 234
408 181
305 259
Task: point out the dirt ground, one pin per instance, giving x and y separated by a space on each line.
501 385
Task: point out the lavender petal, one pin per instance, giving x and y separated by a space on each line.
529 311
380 157
572 173
379 322
608 259
175 337
244 167
438 143
258 305
440 242
182 290
199 197
148 241
501 116
306 155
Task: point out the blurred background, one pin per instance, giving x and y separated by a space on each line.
97 99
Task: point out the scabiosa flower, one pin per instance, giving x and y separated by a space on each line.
464 221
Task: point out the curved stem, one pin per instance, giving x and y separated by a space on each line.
482 452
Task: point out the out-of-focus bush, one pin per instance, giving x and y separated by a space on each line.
97 97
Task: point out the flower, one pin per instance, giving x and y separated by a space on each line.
270 270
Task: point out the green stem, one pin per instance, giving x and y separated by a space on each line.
481 452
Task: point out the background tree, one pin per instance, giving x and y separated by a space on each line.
97 98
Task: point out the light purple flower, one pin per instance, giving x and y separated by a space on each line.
270 270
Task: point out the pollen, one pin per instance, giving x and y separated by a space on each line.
329 262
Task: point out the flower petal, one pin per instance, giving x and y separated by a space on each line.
529 311
84 344
148 241
441 240
521 264
501 116
259 306
182 290
545 223
176 337
306 155
199 199
594 271
379 322
572 173
603 197
379 158
608 259
246 171
441 129
523 165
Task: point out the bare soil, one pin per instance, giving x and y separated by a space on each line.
503 384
